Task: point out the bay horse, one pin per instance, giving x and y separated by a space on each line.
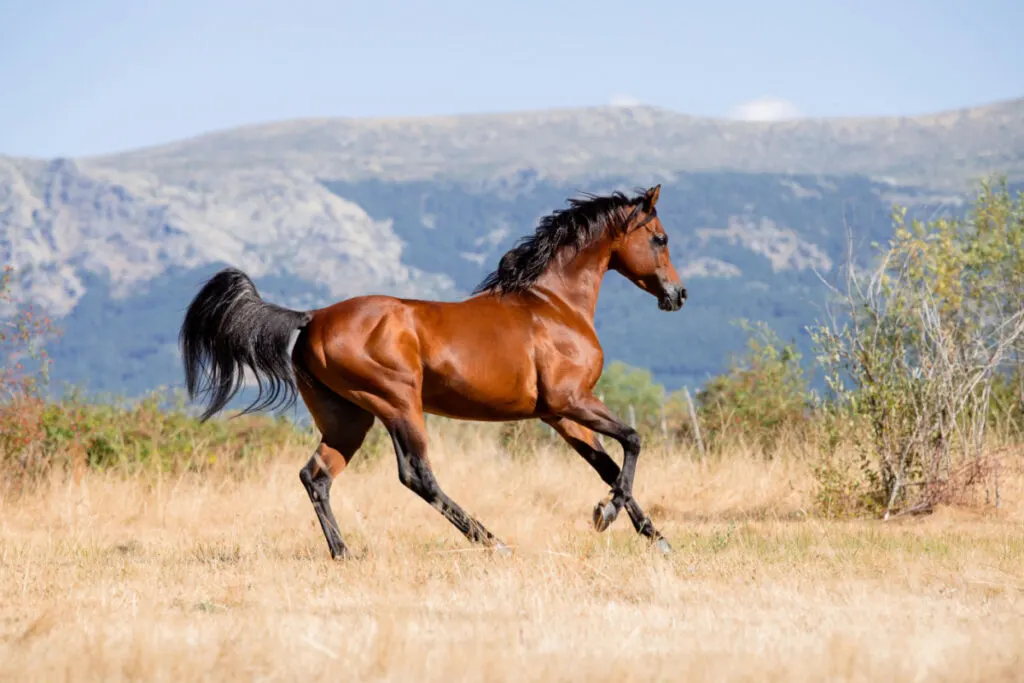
522 346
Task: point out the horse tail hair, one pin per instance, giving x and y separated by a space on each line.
229 328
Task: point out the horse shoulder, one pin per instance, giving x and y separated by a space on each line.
568 356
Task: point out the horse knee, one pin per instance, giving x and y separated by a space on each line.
408 478
416 477
631 441
425 488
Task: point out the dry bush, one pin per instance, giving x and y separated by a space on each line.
914 353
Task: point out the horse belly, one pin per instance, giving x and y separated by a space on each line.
486 383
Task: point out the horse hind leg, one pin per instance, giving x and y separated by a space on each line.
408 434
343 427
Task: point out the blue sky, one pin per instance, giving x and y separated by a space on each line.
93 76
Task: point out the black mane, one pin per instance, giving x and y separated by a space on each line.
576 226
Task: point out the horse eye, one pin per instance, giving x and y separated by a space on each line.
660 240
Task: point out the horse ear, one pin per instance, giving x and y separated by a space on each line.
651 198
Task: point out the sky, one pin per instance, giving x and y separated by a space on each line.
82 77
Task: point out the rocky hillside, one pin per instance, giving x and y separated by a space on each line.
61 222
322 209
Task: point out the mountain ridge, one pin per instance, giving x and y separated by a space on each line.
1012 104
579 143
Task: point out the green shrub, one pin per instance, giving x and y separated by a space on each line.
71 434
763 396
633 395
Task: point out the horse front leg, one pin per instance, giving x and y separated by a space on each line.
576 424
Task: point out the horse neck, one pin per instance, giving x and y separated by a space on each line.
576 280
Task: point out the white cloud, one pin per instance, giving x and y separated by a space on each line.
623 100
765 109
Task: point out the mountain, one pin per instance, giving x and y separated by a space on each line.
318 210
642 143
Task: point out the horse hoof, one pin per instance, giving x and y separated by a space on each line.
605 513
502 549
342 555
662 545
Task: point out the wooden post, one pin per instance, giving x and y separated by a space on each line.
632 416
694 422
664 425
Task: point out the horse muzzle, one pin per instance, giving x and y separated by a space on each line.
673 298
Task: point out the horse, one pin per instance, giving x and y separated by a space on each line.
522 346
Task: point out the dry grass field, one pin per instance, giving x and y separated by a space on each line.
187 579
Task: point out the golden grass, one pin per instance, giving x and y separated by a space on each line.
189 579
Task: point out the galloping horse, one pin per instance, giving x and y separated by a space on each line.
522 346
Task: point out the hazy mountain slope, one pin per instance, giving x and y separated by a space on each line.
320 210
941 150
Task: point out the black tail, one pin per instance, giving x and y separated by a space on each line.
227 328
